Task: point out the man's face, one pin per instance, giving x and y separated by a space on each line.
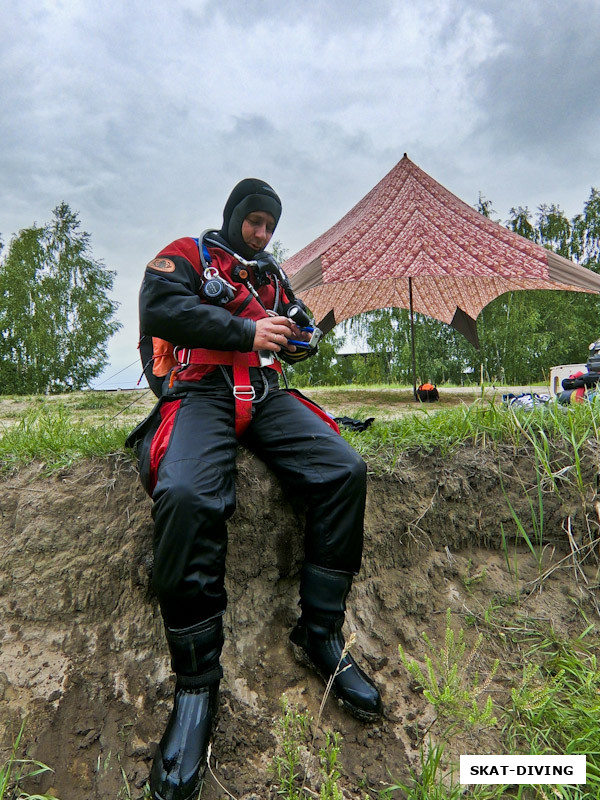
257 230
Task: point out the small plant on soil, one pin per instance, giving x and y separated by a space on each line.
16 770
329 767
471 579
298 765
293 730
447 682
125 790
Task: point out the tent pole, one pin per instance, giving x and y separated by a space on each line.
412 338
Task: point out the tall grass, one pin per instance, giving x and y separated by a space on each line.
58 432
58 437
483 424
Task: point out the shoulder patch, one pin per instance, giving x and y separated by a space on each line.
161 265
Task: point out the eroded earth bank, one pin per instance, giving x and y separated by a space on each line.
83 655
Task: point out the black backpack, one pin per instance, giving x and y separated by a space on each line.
428 393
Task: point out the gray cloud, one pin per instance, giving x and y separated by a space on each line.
333 15
542 87
536 138
142 116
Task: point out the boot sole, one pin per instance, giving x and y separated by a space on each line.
359 713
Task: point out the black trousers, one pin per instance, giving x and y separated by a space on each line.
195 494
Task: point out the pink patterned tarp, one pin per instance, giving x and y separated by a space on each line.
409 225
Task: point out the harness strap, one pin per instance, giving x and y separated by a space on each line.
243 391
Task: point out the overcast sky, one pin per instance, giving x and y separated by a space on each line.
143 115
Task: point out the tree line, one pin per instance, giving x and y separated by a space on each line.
521 334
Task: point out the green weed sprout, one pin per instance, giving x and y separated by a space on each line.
294 734
297 758
446 680
329 767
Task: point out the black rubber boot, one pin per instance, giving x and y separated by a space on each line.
180 762
317 640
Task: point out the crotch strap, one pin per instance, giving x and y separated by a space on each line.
243 391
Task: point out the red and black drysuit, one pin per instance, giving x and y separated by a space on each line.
187 447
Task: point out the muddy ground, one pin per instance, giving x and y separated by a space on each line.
84 659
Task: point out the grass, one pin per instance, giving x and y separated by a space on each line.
551 708
58 430
535 524
555 707
432 780
57 438
16 770
482 423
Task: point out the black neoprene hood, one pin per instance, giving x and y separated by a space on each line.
249 195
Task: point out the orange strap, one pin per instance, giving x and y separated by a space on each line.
243 391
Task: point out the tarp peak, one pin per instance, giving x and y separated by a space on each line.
410 226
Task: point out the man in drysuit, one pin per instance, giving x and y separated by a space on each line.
215 314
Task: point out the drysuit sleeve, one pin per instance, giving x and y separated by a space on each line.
171 309
299 354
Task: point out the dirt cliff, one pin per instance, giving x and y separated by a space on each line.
83 654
